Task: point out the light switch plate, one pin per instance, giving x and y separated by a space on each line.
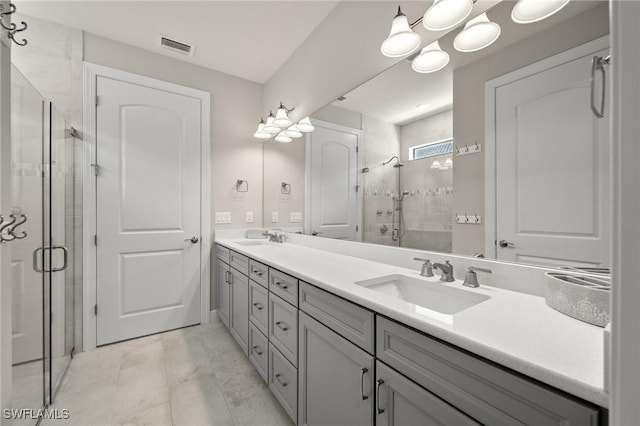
249 217
223 217
295 217
274 217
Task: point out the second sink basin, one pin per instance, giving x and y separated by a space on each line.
433 296
252 243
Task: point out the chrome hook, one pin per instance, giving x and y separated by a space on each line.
12 10
12 34
12 230
14 219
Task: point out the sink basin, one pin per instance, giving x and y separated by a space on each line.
252 243
434 296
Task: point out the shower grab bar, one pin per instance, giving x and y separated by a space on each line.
597 64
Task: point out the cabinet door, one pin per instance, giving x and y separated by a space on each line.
223 291
399 401
335 378
239 320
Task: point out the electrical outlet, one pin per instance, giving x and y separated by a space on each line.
249 217
274 217
223 217
295 217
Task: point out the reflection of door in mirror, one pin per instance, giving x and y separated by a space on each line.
552 164
333 189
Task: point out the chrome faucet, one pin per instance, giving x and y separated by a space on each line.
447 271
471 278
275 238
427 267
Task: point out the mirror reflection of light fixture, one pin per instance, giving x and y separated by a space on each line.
283 138
293 132
260 133
401 40
446 14
282 117
269 127
305 125
448 163
528 11
436 164
431 59
478 33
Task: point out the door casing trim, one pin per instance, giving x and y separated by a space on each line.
89 290
490 87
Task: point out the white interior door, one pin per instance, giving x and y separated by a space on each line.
333 192
148 209
552 169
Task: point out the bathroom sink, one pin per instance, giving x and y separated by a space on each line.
433 296
252 243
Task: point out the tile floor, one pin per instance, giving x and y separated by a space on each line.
192 376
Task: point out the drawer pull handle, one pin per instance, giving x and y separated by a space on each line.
363 371
226 277
282 286
282 325
258 306
256 349
282 383
258 273
230 278
378 383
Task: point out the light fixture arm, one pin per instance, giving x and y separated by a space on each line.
420 19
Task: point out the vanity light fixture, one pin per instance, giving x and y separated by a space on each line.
282 137
436 164
477 34
293 132
305 125
282 116
261 133
448 163
270 127
431 59
528 11
401 40
446 14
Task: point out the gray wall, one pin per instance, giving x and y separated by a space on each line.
235 106
433 128
468 113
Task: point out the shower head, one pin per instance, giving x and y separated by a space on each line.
398 163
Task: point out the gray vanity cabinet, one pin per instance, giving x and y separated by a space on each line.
239 318
399 401
223 290
335 378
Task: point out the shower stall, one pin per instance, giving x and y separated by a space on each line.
42 201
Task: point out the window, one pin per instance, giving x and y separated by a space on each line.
431 149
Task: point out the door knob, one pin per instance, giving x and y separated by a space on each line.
194 240
505 244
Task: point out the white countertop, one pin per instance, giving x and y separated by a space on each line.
516 330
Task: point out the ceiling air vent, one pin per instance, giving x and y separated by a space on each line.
176 46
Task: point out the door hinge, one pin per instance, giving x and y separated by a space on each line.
96 99
357 149
95 240
96 168
357 228
95 309
357 188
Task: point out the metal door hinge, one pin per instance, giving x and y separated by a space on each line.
96 169
95 309
357 228
95 240
96 99
357 188
357 149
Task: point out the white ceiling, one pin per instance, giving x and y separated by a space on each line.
248 39
393 95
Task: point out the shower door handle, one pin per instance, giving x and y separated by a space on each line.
65 259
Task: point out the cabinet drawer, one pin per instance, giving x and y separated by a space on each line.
284 286
283 327
259 307
259 351
259 273
345 318
222 253
283 382
239 262
487 392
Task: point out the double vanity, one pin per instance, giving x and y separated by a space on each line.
346 340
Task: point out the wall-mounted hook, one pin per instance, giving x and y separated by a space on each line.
285 188
12 10
457 150
12 231
242 185
12 34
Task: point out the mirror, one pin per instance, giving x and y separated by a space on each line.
499 154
